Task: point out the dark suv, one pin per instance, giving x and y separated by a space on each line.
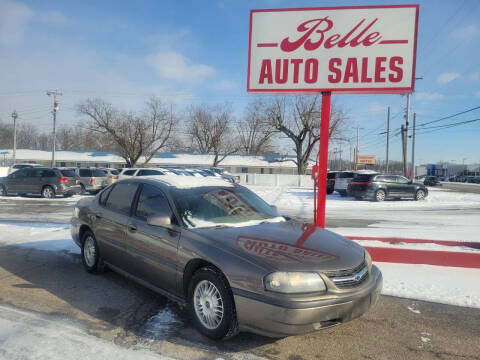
39 180
380 187
431 181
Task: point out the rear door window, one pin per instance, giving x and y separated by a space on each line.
121 197
104 195
151 201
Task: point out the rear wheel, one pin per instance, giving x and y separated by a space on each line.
420 195
48 192
211 304
380 195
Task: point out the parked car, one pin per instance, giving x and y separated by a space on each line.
225 254
39 180
225 174
331 175
380 187
127 173
112 175
341 181
92 180
431 181
19 166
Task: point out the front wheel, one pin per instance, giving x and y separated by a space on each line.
211 304
380 195
91 259
420 195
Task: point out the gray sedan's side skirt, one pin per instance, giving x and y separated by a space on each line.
177 299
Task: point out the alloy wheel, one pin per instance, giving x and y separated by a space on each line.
380 195
420 195
208 304
47 192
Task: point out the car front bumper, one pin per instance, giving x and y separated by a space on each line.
275 320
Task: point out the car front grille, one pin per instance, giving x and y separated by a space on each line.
349 278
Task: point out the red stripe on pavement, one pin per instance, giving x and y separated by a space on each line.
393 240
441 258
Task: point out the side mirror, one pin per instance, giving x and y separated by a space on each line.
162 220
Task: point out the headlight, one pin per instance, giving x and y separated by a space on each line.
294 282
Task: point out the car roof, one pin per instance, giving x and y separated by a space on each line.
184 182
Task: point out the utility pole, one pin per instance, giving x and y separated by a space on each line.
413 146
340 157
14 116
388 138
407 119
403 151
56 105
356 153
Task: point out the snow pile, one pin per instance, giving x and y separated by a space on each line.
31 336
162 324
441 284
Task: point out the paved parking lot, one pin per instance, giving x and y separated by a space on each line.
56 288
53 288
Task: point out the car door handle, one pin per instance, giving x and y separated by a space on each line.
131 228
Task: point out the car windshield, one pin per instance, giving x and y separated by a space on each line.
218 206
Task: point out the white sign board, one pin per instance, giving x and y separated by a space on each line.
358 49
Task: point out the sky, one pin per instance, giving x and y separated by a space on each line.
193 52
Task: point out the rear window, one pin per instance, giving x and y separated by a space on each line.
114 172
68 173
331 176
85 172
99 173
363 177
129 172
344 175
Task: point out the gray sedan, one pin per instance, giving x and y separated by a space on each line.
219 249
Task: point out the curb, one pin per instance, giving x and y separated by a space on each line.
426 257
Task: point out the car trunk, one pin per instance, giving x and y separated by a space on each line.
72 177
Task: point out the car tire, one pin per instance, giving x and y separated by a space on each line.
92 262
329 191
380 195
83 191
420 195
3 191
343 193
205 308
48 192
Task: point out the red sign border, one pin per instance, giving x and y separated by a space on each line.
392 90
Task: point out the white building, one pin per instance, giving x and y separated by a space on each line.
265 164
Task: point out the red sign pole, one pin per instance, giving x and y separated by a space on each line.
323 160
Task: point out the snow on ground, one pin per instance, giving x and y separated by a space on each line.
443 215
455 286
32 336
441 284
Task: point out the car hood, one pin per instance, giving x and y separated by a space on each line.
287 246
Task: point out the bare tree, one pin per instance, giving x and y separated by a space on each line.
255 130
209 130
298 118
135 135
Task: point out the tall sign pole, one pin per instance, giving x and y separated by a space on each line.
388 139
323 159
332 50
14 155
56 106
